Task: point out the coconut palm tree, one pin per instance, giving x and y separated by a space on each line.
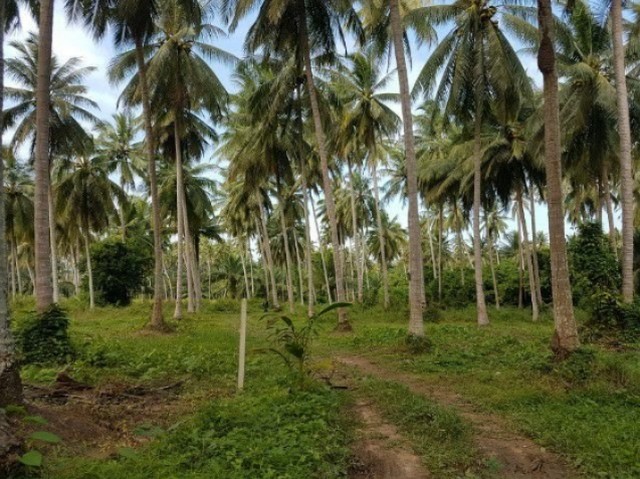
477 63
302 29
565 339
86 195
117 145
133 22
69 109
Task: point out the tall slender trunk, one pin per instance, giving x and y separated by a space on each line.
44 286
483 318
14 243
250 255
534 245
321 244
12 262
416 283
343 319
565 338
610 215
491 265
440 228
177 313
298 266
121 212
311 296
520 265
626 163
356 235
271 266
432 250
74 267
87 254
10 384
157 318
265 263
244 274
527 253
54 245
287 256
381 236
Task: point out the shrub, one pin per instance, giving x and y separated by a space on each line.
612 317
119 269
44 338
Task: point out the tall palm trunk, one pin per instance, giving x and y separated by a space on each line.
308 251
14 243
610 216
565 338
12 262
53 245
432 250
534 245
416 283
321 244
343 320
44 287
121 212
157 319
270 264
440 228
10 385
381 238
177 313
244 275
527 254
87 255
250 255
298 266
626 164
356 236
287 256
481 306
491 265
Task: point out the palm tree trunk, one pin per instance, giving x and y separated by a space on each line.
432 250
610 217
483 318
250 255
54 245
265 263
343 319
287 255
520 266
311 296
527 253
321 244
626 164
44 287
87 254
10 384
491 265
123 222
566 334
440 228
244 273
14 243
416 283
157 319
271 266
177 313
298 266
12 263
74 274
534 245
356 235
381 238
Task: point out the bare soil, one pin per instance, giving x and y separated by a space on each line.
518 456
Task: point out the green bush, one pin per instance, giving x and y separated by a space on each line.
44 338
119 269
610 317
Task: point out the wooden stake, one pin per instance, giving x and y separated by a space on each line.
243 343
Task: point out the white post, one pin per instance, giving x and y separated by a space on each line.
243 343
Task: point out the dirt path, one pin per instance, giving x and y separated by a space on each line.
518 456
381 452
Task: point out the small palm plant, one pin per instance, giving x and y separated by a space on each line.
293 344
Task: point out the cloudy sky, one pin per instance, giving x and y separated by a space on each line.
71 40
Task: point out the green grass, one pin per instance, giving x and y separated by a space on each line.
269 430
587 408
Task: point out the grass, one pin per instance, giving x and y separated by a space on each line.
586 408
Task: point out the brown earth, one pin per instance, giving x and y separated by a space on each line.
518 456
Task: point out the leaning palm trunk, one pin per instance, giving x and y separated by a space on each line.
356 236
247 291
308 253
626 165
491 265
269 256
44 287
287 255
53 244
527 254
321 244
16 262
416 283
343 320
157 319
381 238
565 338
10 385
